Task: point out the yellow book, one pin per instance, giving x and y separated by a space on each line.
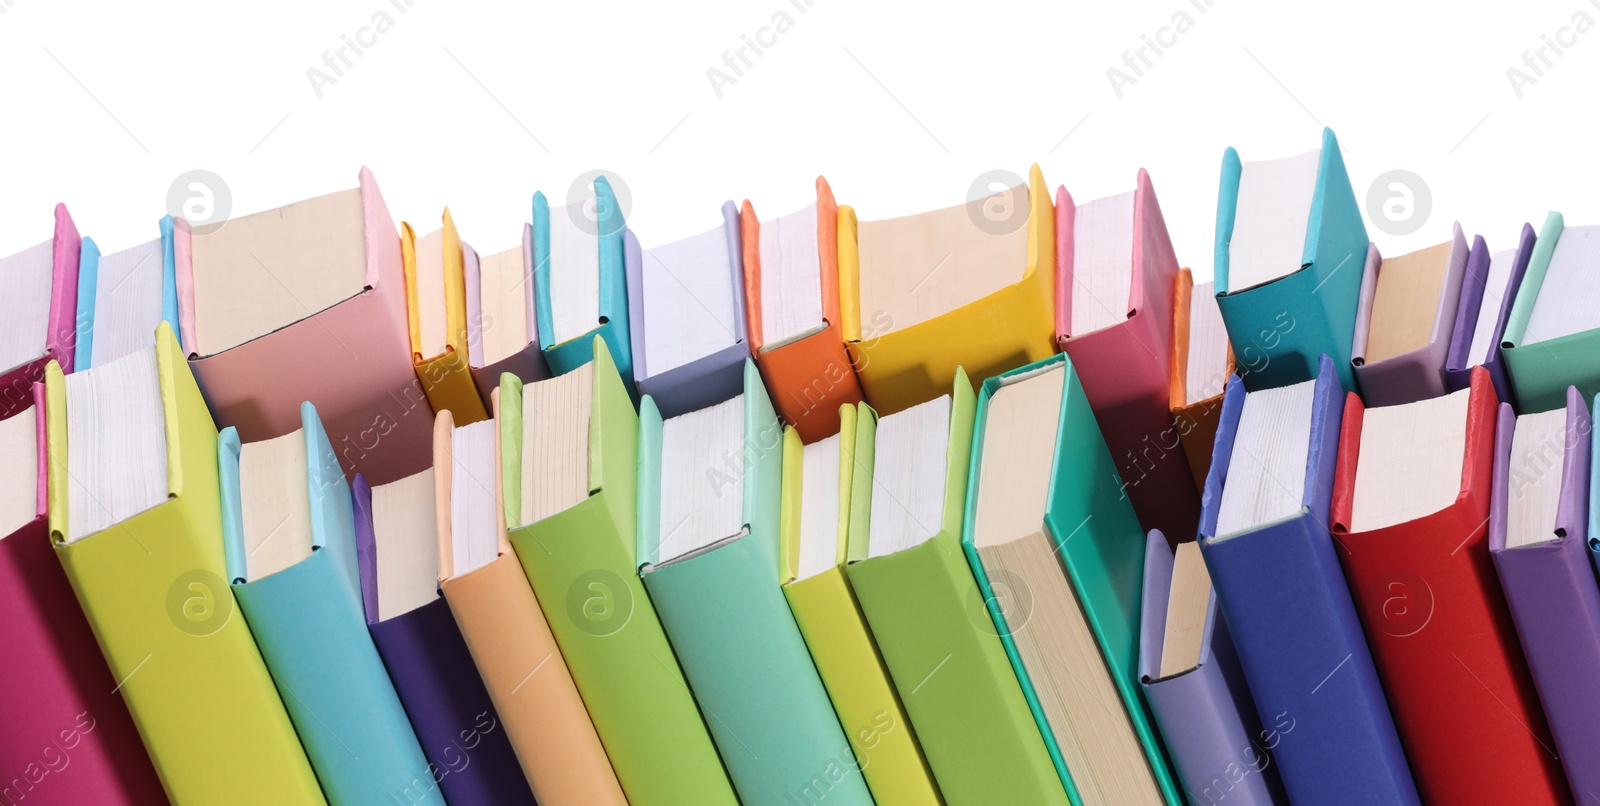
152 583
814 533
969 286
436 305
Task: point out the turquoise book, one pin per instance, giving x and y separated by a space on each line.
1287 299
288 530
122 296
709 487
581 253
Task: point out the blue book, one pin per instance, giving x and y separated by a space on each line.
123 296
291 559
1323 712
604 231
1282 312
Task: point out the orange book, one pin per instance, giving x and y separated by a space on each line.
1196 421
808 371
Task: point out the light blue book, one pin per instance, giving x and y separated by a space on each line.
122 297
289 539
1285 306
565 240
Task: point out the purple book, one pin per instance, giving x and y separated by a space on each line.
439 686
709 379
1474 287
1554 598
1206 717
1419 373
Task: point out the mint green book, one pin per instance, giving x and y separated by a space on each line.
709 487
1544 357
1059 556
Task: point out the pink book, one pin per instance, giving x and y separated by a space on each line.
351 358
16 385
67 738
1116 275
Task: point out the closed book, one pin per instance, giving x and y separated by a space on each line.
1488 291
1551 339
307 618
719 599
154 592
1071 624
122 296
1287 302
51 317
68 737
505 628
1441 635
932 625
581 564
460 732
1116 275
1196 387
580 279
803 359
1548 580
1292 620
686 313
993 260
1404 322
436 307
825 608
260 343
502 320
1207 719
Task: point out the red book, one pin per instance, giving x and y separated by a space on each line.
1437 623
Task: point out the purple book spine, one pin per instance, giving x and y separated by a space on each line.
1458 365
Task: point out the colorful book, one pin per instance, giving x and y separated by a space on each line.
1059 556
791 297
1405 319
288 535
122 297
686 314
708 555
1264 537
1287 300
569 450
814 547
580 279
1201 363
1487 293
397 554
40 285
1115 279
436 304
1552 339
923 606
505 628
61 704
1411 510
1538 521
136 517
968 286
1191 676
502 323
307 303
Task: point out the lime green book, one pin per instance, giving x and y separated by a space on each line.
569 462
135 515
923 606
814 541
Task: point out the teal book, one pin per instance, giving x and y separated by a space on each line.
1287 301
1554 343
1059 558
288 530
709 488
581 256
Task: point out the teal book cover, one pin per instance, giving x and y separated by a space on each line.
617 247
730 626
1541 371
1094 531
1278 329
308 621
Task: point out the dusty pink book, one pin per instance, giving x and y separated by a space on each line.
67 738
344 347
59 320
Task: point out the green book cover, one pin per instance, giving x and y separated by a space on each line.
1541 372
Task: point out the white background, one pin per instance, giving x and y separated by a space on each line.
900 105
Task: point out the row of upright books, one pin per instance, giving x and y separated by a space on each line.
985 504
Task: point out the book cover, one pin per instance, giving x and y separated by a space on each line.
447 377
16 384
1541 373
1195 423
1474 290
527 363
617 246
1419 373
